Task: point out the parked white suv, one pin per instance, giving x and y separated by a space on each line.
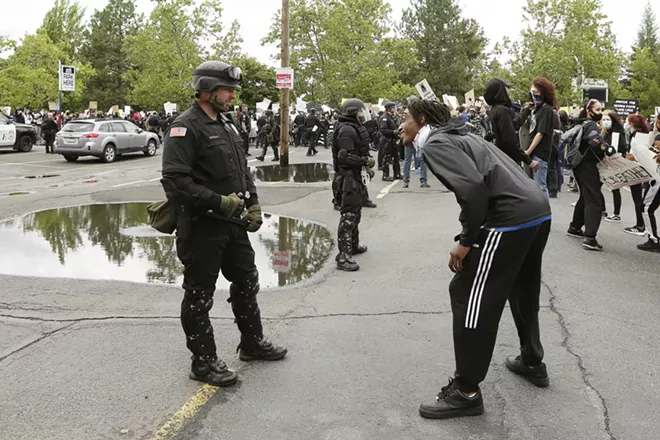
103 138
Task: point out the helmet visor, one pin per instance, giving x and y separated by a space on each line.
363 115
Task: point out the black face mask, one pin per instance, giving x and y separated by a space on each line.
596 116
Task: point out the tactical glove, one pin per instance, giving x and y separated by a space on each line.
371 162
231 205
253 218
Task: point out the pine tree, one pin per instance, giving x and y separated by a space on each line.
647 35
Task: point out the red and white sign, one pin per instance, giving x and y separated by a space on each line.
284 78
282 261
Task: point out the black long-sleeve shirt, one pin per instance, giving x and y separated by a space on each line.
504 131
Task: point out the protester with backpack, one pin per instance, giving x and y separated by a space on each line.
584 160
612 124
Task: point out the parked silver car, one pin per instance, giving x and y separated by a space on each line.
103 138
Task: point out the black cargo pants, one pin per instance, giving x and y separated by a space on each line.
207 246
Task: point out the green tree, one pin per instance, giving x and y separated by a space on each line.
103 50
258 81
29 77
341 49
565 41
164 53
63 24
450 48
647 35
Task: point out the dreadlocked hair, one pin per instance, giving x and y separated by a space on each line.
434 112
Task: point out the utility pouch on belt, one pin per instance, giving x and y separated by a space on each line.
162 216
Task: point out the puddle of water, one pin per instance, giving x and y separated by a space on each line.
294 173
114 242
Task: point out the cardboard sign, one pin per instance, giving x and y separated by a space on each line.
617 172
640 148
470 98
52 106
284 78
425 90
93 105
624 107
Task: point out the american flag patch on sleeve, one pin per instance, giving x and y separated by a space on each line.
178 131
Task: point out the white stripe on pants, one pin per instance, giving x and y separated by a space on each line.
483 269
649 196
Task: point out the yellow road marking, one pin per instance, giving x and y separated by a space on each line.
387 189
186 413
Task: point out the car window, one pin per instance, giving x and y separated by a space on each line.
105 128
130 127
78 127
4 120
117 127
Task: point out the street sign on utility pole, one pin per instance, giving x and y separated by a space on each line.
284 92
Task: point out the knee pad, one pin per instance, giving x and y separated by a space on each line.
201 302
349 218
249 287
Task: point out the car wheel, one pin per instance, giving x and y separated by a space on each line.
25 144
151 148
109 154
70 158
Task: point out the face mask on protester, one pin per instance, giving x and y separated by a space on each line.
596 116
607 125
538 100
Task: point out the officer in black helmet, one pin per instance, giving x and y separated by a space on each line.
350 152
205 175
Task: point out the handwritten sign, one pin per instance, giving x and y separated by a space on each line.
617 172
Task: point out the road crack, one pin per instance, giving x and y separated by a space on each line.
39 339
580 362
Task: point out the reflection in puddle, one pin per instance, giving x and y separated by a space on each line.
296 173
114 242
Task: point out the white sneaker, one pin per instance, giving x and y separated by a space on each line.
613 218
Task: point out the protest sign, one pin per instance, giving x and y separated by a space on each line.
425 90
617 172
275 108
470 98
52 106
624 107
93 105
127 109
640 148
169 107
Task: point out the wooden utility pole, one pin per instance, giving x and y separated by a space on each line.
284 93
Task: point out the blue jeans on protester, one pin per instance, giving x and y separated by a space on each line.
541 176
410 154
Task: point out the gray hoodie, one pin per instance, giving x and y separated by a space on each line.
493 192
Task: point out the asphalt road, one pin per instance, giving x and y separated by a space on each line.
85 359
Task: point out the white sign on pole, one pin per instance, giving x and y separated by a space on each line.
425 90
67 78
282 261
284 78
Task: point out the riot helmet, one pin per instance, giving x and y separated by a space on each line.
211 75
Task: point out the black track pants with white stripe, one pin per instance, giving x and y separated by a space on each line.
501 266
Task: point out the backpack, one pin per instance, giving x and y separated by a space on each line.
569 153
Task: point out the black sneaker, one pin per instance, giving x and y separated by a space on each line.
591 244
614 218
450 403
574 232
259 349
635 230
649 246
212 371
424 184
536 374
387 179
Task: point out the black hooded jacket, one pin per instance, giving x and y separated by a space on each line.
493 192
501 118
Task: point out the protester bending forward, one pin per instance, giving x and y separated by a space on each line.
506 222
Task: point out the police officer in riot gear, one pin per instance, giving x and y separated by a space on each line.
206 177
389 131
350 151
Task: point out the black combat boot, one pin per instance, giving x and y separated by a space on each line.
345 262
261 158
275 159
359 250
212 371
369 204
259 348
